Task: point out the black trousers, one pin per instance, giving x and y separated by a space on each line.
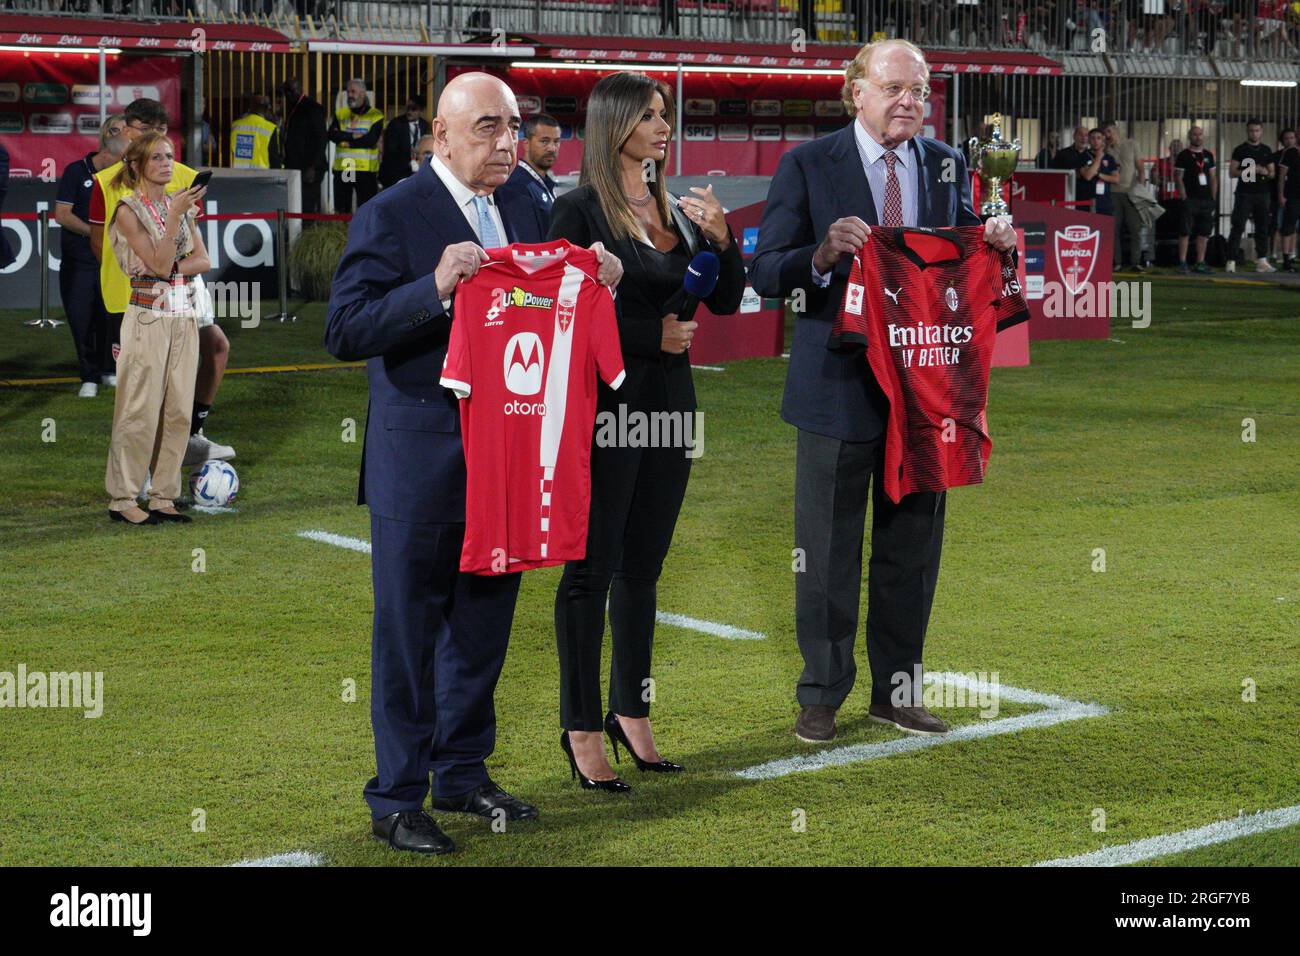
365 187
114 338
1248 207
437 646
636 495
832 479
83 304
310 196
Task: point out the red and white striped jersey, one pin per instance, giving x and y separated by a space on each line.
529 334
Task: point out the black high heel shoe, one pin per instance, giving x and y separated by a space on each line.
609 786
617 735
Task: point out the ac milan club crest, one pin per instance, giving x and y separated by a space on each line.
1077 250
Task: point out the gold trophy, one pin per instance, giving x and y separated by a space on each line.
995 160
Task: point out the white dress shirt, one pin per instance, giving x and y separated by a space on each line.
464 198
877 171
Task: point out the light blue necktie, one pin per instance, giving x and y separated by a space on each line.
487 232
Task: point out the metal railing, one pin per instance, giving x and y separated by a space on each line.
1259 30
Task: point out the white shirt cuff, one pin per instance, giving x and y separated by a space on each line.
823 279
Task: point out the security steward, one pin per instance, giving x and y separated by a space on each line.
355 132
254 138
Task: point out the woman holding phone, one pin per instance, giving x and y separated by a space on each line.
636 492
158 247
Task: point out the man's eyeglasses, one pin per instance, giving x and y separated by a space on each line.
896 91
146 128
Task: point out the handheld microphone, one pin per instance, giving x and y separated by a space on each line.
698 283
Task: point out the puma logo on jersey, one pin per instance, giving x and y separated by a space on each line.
893 295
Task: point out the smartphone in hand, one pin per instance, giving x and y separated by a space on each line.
201 180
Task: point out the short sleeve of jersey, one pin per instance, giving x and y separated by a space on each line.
1009 298
456 367
97 204
604 337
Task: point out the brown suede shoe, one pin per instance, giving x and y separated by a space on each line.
816 724
913 720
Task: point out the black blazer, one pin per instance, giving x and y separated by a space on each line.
656 380
395 165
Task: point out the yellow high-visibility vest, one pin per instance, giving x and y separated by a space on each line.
250 142
113 282
361 160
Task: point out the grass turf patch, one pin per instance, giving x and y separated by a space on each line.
225 690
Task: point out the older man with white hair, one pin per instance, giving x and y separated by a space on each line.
824 200
439 637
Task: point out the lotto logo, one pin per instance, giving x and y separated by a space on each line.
853 299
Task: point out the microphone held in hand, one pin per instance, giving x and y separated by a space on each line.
698 283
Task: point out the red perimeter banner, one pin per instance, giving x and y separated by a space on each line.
49 104
733 124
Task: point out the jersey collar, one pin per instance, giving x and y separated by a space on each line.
935 238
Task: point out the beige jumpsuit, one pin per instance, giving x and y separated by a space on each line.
156 370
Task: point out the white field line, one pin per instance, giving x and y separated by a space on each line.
213 510
709 368
1153 847
1059 710
725 631
338 540
296 858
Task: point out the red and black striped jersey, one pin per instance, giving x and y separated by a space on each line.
926 305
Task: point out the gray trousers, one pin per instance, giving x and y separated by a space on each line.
1127 220
832 480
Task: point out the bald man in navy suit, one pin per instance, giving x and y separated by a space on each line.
439 637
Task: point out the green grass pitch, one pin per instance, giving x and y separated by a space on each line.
224 690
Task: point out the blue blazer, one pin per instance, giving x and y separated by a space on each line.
384 308
6 255
826 392
522 181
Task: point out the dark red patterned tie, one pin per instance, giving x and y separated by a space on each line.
893 194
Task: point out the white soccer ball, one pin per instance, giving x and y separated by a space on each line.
214 483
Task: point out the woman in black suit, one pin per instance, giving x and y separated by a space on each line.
636 492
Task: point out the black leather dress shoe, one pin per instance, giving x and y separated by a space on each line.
412 830
485 802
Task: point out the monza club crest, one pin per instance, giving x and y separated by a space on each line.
1077 249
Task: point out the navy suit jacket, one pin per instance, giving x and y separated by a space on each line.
827 392
384 308
523 182
6 255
